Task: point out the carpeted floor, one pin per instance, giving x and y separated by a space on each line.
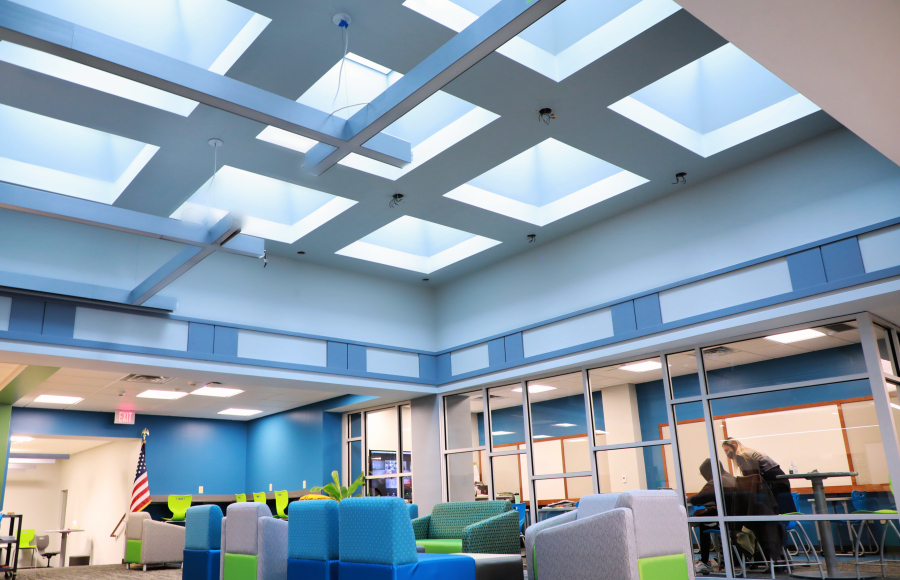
112 572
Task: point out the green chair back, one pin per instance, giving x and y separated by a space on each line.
27 540
281 503
240 497
259 497
178 505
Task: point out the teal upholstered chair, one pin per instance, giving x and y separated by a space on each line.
475 527
202 542
377 543
313 537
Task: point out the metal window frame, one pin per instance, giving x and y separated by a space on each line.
874 373
346 440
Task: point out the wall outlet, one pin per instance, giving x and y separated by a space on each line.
304 484
624 479
270 487
201 489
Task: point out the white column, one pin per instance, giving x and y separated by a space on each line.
620 414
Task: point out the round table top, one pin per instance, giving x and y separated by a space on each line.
816 474
61 531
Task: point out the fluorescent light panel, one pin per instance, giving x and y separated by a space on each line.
58 400
541 437
21 439
496 433
565 425
216 392
240 412
795 336
154 394
642 367
532 389
25 461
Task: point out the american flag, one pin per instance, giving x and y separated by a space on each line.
140 495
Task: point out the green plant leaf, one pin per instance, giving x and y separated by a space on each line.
336 479
332 491
355 485
315 490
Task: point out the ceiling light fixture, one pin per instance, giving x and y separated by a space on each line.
680 178
641 367
795 336
212 391
541 437
496 433
240 412
532 389
396 199
565 425
58 400
170 395
21 439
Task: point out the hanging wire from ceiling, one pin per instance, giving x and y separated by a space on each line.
215 144
343 22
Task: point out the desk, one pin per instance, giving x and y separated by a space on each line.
62 544
826 540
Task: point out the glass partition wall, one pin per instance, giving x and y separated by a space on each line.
802 423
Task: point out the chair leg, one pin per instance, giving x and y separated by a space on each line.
811 549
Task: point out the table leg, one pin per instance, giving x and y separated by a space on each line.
825 537
62 550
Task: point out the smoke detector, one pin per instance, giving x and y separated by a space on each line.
152 379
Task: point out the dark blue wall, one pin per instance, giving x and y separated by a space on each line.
182 454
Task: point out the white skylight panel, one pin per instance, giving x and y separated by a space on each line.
92 78
210 34
437 124
570 37
267 208
715 102
545 183
414 244
45 153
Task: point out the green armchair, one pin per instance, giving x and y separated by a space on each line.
473 527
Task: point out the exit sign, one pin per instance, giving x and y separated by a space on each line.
124 418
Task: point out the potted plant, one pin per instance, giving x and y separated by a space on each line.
336 491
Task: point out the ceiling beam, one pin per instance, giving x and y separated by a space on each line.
36 202
495 28
40 31
221 232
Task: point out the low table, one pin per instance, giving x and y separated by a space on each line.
497 566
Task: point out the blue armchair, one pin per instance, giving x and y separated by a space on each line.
377 543
202 542
313 537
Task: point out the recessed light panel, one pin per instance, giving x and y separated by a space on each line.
432 127
240 412
46 153
545 183
216 392
151 394
565 425
532 389
642 367
58 400
21 439
414 244
715 102
267 208
570 37
795 336
497 433
210 34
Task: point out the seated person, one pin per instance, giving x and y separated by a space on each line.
706 499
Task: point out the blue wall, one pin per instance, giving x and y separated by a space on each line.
182 453
225 457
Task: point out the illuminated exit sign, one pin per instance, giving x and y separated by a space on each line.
124 418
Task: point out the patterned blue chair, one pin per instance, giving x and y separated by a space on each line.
377 543
202 542
413 511
313 540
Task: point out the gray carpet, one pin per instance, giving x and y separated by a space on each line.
112 572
